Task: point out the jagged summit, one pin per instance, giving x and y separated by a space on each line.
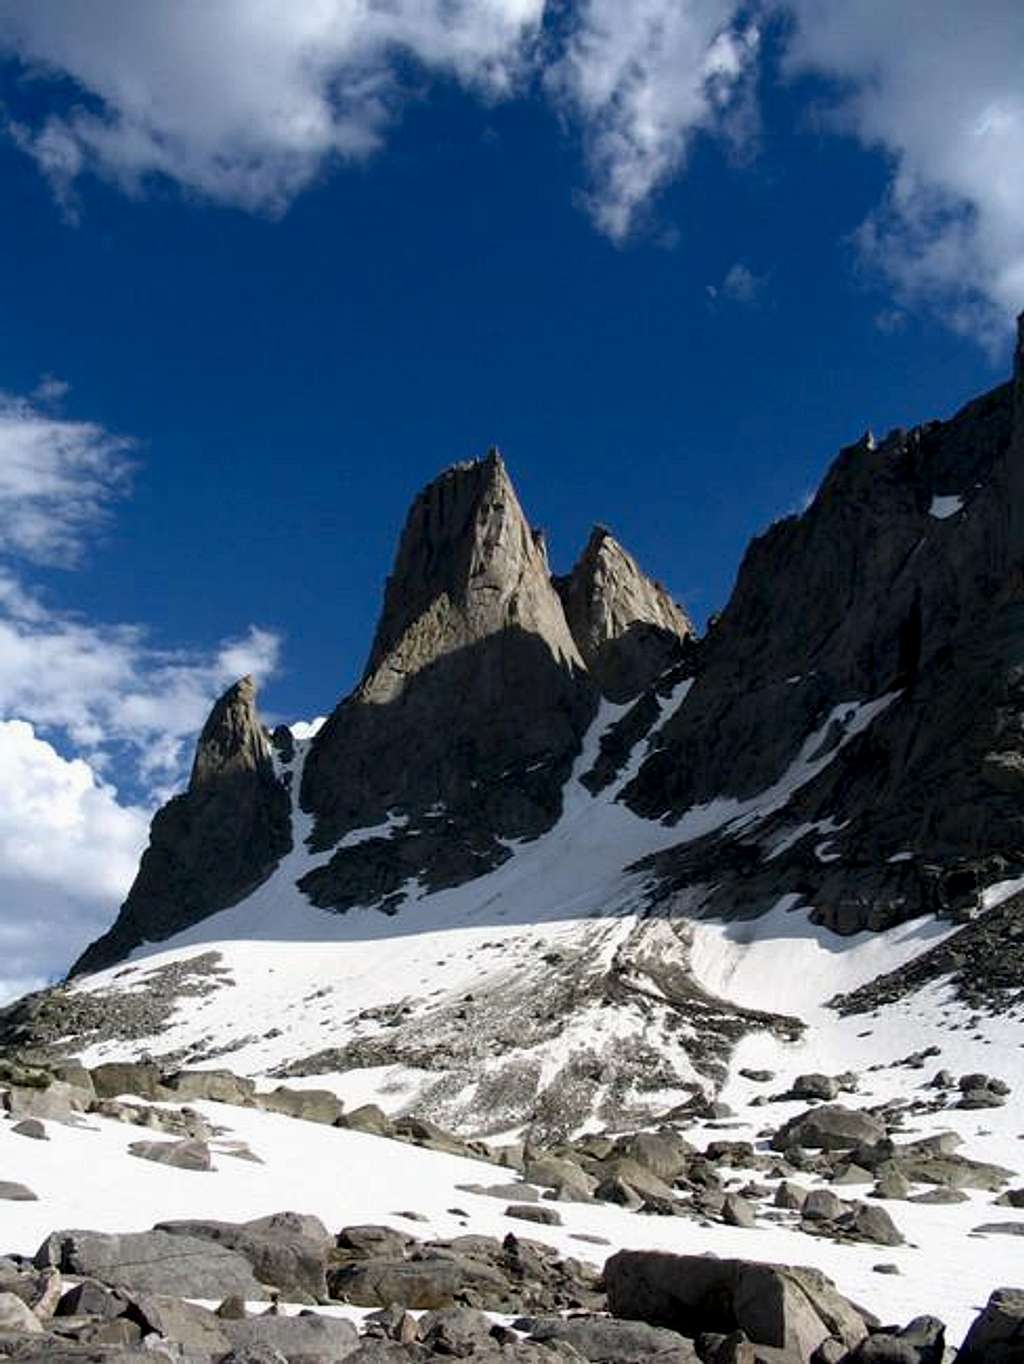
468 565
626 626
211 846
472 707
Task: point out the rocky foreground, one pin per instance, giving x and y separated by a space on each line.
287 1286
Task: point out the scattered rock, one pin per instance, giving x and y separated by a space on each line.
182 1155
531 1212
16 1193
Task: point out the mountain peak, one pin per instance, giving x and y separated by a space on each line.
473 670
468 564
626 626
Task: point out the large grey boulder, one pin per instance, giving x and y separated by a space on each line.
790 1309
219 1085
312 1105
195 1328
430 1282
285 1250
211 846
830 1127
605 1341
997 1333
305 1337
152 1262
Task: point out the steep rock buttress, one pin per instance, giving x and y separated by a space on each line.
212 845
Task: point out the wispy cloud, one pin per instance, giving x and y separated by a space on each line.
642 78
58 479
940 92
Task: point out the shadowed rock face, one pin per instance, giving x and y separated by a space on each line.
626 627
472 707
211 846
869 593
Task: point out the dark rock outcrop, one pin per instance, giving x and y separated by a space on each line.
211 846
471 709
626 627
901 587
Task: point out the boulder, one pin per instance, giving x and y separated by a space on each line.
58 1102
13 1192
373 1242
868 1222
219 1085
194 1328
791 1196
831 1127
606 1341
152 1262
822 1205
997 1333
737 1212
16 1317
814 1086
114 1078
304 1337
639 1178
182 1155
665 1154
312 1105
285 1250
792 1310
533 1212
368 1118
31 1127
430 1282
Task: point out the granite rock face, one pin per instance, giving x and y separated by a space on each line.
473 672
212 845
900 589
627 628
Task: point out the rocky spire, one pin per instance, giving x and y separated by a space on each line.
468 566
626 626
214 844
475 698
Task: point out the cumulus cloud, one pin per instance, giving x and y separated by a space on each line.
68 852
643 78
245 100
939 90
96 722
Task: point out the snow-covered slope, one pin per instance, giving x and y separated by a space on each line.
541 992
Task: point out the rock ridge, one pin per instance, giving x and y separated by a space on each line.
212 845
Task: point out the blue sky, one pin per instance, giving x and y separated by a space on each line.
265 270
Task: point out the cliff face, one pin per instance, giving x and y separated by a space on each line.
627 628
901 586
211 846
472 706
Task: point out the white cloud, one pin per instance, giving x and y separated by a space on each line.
57 480
68 852
939 89
82 704
741 285
245 100
644 77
